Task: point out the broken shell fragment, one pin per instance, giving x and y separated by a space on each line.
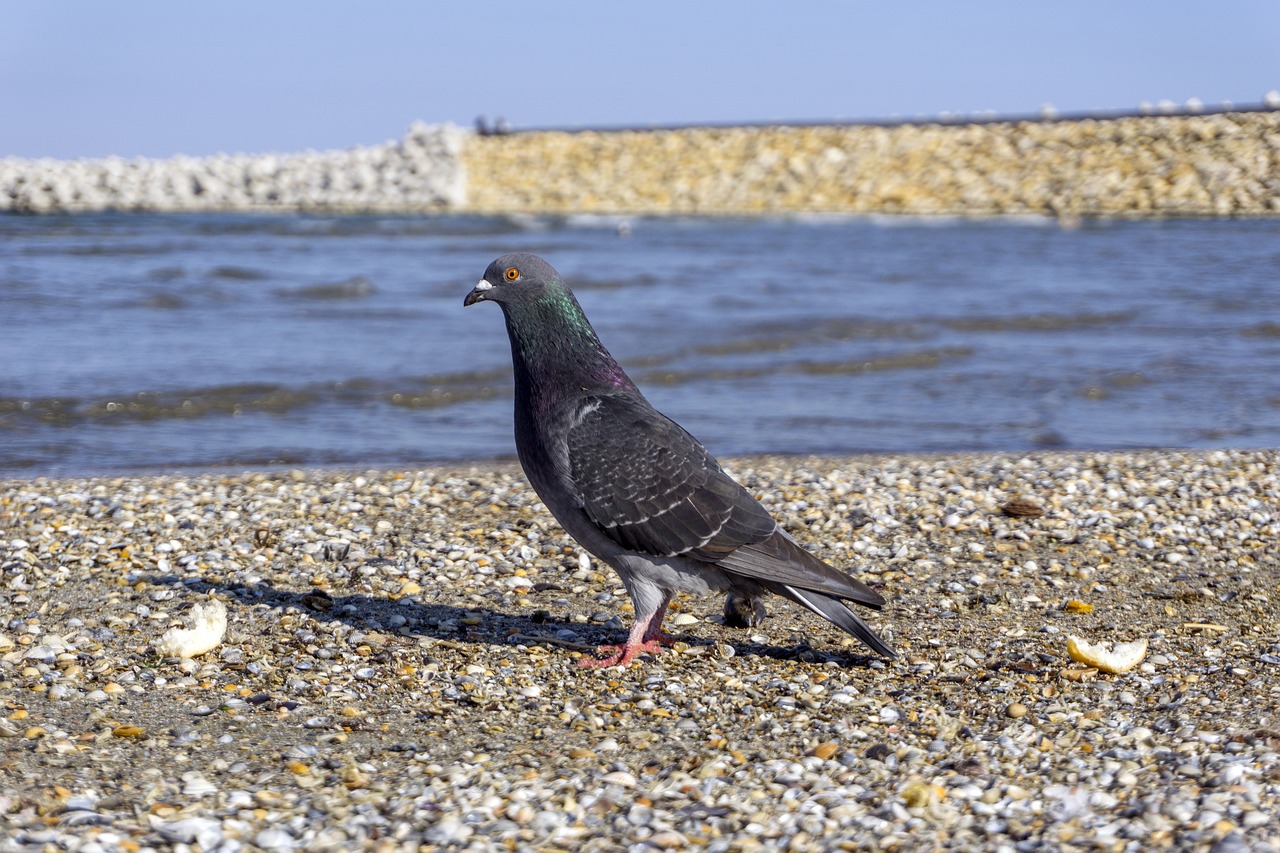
1116 659
206 625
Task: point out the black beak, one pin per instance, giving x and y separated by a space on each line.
479 294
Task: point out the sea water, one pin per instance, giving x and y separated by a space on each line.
139 342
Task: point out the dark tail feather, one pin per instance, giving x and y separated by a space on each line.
835 612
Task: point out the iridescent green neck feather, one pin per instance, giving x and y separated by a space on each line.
554 347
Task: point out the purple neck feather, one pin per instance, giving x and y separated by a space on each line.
557 354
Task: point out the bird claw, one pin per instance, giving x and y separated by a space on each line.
646 636
624 653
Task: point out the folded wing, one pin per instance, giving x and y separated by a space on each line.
653 488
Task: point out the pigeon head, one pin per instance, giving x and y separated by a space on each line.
553 347
514 279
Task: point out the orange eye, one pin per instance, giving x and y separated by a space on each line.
512 273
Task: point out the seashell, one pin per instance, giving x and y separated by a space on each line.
1120 658
1021 507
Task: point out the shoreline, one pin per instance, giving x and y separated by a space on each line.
509 464
400 664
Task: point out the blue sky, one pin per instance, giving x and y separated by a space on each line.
87 78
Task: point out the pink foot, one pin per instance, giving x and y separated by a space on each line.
623 653
645 636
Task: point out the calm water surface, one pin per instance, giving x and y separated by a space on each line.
145 342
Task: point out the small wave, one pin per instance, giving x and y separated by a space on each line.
435 398
950 220
391 226
916 360
164 302
1262 330
912 360
167 273
798 334
105 250
639 280
446 389
462 377
234 273
806 331
915 220
433 391
356 287
1106 386
225 399
147 405
1044 322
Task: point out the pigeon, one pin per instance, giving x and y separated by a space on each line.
633 487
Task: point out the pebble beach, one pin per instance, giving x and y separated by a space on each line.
400 666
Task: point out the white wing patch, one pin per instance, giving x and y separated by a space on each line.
582 413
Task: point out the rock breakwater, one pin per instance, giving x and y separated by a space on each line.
1219 165
420 172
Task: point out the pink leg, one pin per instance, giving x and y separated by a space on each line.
646 636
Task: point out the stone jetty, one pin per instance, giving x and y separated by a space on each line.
1217 165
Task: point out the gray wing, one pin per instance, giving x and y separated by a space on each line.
653 488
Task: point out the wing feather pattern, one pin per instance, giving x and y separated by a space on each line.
651 487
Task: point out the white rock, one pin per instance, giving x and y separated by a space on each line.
619 777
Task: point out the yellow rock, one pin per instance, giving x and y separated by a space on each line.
824 750
919 794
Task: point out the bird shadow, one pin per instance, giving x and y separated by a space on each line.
455 626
